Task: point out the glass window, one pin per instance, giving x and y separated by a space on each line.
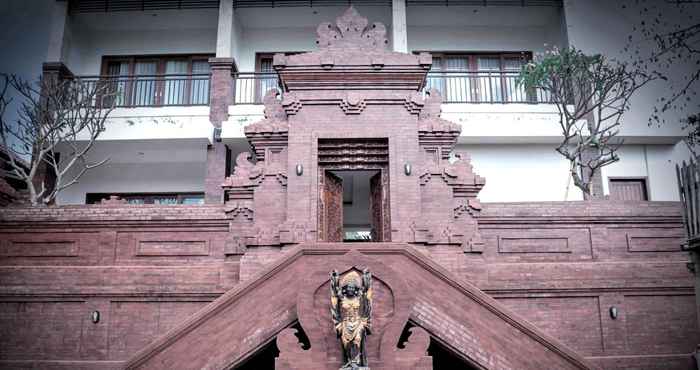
175 82
149 198
199 93
154 81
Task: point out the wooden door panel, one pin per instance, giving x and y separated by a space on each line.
332 208
632 189
379 207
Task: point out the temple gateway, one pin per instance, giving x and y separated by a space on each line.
437 281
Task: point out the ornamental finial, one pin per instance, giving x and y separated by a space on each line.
351 31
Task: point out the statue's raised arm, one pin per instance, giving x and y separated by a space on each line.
335 300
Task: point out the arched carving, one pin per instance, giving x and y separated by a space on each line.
391 309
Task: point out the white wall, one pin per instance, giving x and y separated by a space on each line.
95 35
161 123
291 29
472 28
655 163
602 26
136 178
520 173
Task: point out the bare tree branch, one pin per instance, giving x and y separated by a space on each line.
591 95
67 115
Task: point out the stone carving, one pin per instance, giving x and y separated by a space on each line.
244 172
239 210
472 208
414 103
275 116
273 106
351 312
429 120
353 103
351 32
291 103
292 354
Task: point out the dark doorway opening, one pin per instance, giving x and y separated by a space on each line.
358 188
354 190
264 358
443 357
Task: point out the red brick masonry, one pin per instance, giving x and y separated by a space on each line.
146 269
524 286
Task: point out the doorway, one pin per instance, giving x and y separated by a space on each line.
354 191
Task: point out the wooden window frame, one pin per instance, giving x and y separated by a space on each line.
472 57
161 61
473 65
644 180
259 56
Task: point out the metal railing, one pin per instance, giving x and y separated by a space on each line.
455 87
688 176
250 88
153 90
483 87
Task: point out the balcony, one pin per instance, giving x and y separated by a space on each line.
488 87
250 88
154 90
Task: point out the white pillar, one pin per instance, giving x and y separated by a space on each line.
225 37
57 32
398 26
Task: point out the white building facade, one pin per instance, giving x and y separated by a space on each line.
164 135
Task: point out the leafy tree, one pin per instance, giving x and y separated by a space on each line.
66 115
591 93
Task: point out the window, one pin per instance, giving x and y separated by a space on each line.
266 78
628 189
156 81
149 198
478 77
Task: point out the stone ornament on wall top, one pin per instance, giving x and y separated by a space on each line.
351 31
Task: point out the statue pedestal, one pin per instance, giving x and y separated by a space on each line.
354 368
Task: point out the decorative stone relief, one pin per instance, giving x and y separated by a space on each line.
239 210
275 116
414 103
353 103
351 31
291 103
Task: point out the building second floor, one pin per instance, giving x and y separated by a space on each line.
158 58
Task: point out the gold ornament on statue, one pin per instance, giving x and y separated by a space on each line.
351 312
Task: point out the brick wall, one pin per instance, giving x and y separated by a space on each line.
561 266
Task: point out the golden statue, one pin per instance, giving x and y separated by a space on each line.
351 312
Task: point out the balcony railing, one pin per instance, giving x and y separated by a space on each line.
154 90
495 87
492 87
250 88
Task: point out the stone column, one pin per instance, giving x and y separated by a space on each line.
398 26
221 96
225 31
57 32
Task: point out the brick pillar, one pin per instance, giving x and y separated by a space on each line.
220 98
